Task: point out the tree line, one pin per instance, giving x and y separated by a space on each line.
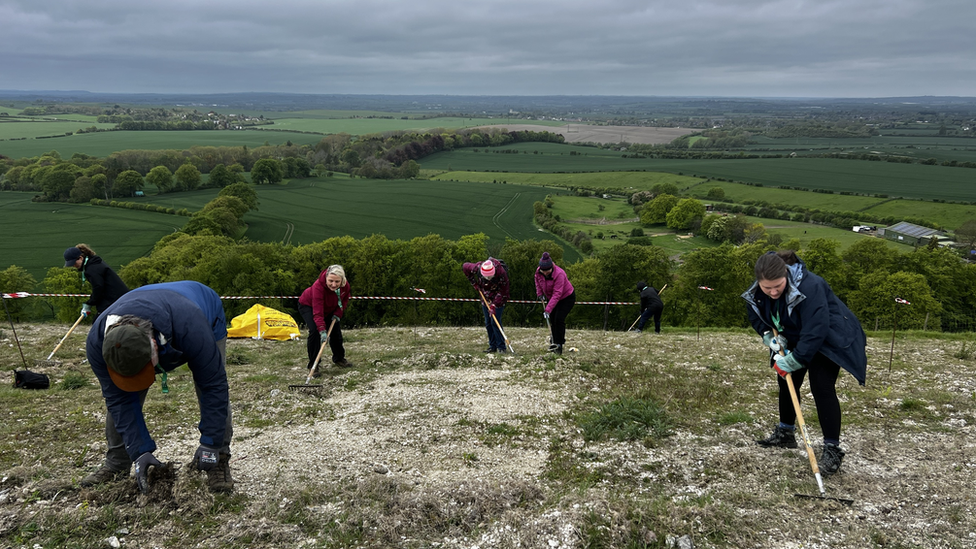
392 155
868 276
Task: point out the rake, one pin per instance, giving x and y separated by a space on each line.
642 313
508 344
47 361
806 440
309 386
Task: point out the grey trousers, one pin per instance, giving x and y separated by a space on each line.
117 459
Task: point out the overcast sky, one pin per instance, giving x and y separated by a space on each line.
760 48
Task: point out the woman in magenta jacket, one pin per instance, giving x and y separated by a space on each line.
320 304
552 286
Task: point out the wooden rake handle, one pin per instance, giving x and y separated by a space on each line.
318 357
498 324
639 316
802 424
73 326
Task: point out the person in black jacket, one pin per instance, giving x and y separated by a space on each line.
819 335
107 287
651 305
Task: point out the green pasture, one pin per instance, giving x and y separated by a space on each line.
922 146
950 216
807 232
894 179
307 121
739 193
311 210
102 144
36 234
592 209
625 182
32 128
615 223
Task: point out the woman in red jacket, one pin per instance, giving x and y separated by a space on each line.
320 305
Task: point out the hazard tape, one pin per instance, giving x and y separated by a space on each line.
356 297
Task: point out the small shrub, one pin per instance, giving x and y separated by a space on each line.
73 380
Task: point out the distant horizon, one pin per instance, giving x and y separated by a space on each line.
365 94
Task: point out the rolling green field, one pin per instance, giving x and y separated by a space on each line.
582 214
298 212
320 208
625 181
36 234
309 121
286 127
102 144
32 129
909 180
949 215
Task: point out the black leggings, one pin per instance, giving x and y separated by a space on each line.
314 341
558 318
823 380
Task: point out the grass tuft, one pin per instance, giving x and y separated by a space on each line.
626 418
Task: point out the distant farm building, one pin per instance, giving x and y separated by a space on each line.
908 233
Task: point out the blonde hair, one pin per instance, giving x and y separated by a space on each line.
85 250
338 271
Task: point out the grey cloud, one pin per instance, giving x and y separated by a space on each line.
694 47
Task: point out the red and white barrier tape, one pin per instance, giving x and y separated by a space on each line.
362 297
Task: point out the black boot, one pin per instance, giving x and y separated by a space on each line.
831 459
781 438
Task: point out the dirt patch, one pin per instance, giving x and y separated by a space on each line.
585 133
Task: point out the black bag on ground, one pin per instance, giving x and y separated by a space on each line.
26 379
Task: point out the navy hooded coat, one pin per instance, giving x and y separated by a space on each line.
816 321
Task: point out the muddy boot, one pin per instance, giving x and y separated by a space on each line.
831 458
344 364
218 478
781 438
103 474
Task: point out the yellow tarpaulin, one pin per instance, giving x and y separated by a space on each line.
260 322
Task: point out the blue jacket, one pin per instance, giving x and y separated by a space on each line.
188 320
814 321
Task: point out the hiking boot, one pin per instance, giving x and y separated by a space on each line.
344 364
781 438
491 350
103 474
831 459
556 348
638 330
218 478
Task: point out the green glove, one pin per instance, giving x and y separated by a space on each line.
774 343
786 364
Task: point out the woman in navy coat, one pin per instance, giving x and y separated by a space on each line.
819 335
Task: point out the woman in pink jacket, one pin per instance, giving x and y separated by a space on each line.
552 286
320 304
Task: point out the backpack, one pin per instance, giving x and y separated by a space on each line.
26 379
501 264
